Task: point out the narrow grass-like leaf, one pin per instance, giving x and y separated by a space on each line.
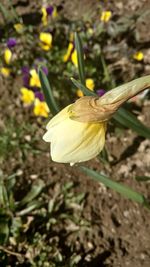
4 12
85 90
48 92
142 178
4 231
35 204
103 156
15 14
120 188
80 58
33 193
4 202
127 119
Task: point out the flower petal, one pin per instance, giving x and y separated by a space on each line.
73 141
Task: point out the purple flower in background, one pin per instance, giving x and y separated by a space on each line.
39 95
49 10
26 76
100 92
11 42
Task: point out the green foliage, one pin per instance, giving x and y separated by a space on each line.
12 138
128 120
120 188
10 209
32 219
48 92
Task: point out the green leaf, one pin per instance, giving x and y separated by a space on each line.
142 178
4 202
80 57
4 231
36 189
48 92
127 119
15 14
103 156
4 12
35 204
120 188
85 90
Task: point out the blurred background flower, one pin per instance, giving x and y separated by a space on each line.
11 42
45 40
27 96
40 108
34 79
5 71
139 56
100 92
105 16
89 84
7 56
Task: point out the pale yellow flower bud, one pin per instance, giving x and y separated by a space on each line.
77 133
73 141
95 109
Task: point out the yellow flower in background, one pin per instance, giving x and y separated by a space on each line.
5 71
34 79
40 108
46 40
55 13
44 18
90 31
7 56
89 84
19 27
138 56
79 141
68 53
27 96
71 38
105 16
74 58
79 93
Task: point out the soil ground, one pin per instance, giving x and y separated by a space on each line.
119 229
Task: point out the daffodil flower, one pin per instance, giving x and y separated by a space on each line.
76 137
77 133
27 96
45 40
7 56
